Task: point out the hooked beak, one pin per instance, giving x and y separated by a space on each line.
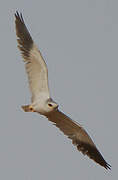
56 108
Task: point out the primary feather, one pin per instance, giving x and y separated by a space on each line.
35 65
79 136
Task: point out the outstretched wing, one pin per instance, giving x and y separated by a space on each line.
35 65
79 136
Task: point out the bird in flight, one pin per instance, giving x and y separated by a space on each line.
42 103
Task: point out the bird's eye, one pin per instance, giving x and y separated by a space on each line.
50 105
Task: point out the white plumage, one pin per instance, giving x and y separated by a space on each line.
42 102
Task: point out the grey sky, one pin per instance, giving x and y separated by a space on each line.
79 42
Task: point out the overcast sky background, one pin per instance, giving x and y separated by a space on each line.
79 42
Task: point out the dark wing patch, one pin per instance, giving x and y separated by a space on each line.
93 153
79 137
25 41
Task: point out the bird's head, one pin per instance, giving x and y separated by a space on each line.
51 105
45 107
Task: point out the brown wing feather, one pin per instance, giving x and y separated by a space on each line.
79 136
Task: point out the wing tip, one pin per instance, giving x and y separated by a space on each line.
107 166
24 39
18 16
93 153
